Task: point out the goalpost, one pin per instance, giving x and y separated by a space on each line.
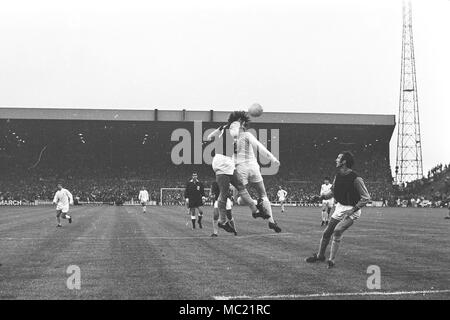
175 196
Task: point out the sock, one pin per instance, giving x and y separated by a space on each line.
334 249
268 207
232 223
323 246
222 207
247 200
229 215
215 226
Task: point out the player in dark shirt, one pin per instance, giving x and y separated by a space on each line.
225 222
194 195
351 195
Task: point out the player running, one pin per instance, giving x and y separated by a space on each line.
194 195
143 199
219 220
247 166
281 194
62 200
326 194
351 195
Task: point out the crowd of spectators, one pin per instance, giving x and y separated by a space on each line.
110 185
433 190
109 161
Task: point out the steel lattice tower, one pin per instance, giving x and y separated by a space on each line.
409 146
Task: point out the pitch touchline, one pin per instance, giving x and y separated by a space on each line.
331 294
161 238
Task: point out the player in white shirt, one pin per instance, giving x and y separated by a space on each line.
225 169
327 200
281 194
62 200
247 165
143 199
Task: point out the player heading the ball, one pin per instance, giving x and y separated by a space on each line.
245 147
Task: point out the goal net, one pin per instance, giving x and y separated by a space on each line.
175 196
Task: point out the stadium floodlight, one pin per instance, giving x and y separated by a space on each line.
409 164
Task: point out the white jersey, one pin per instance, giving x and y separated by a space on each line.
62 200
281 195
244 153
143 196
326 188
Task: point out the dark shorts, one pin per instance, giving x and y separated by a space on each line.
195 204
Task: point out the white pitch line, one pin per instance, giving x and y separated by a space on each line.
272 235
331 294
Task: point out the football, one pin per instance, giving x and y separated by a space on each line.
255 110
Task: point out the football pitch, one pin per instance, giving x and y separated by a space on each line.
122 253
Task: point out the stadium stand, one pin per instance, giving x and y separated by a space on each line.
433 190
105 160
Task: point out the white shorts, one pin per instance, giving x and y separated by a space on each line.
229 204
143 203
249 173
223 165
282 200
64 209
328 202
338 215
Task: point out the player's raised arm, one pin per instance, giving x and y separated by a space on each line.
217 132
256 144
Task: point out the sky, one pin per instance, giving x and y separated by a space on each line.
322 56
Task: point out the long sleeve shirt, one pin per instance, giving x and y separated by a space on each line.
364 194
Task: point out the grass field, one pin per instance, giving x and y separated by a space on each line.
124 254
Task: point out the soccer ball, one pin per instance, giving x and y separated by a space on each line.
255 110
